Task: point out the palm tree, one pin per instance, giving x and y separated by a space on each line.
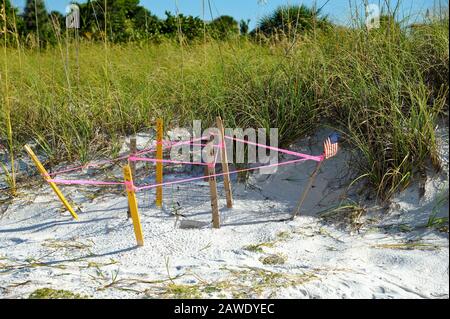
224 27
289 20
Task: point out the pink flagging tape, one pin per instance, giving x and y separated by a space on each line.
83 182
106 183
134 157
144 159
129 186
172 144
280 150
146 151
218 174
78 168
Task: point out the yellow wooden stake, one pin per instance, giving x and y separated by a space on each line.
46 176
159 164
226 172
132 204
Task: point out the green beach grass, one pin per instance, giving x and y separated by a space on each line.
384 90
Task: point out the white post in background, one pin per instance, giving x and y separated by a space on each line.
73 22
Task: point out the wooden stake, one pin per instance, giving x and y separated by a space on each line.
132 204
159 164
133 150
46 176
213 188
223 152
306 191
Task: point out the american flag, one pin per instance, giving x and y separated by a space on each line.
331 146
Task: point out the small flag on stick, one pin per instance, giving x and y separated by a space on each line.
331 146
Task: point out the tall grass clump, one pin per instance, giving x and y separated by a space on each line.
10 174
387 98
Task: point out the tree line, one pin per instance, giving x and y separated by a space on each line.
126 20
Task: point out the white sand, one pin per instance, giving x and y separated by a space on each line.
41 246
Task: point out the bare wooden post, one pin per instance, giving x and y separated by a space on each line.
46 176
133 150
159 164
224 157
132 204
330 149
306 191
213 187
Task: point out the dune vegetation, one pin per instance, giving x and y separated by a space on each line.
385 89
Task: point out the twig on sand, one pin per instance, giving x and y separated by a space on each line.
408 246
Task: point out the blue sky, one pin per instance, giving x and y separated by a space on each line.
338 10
